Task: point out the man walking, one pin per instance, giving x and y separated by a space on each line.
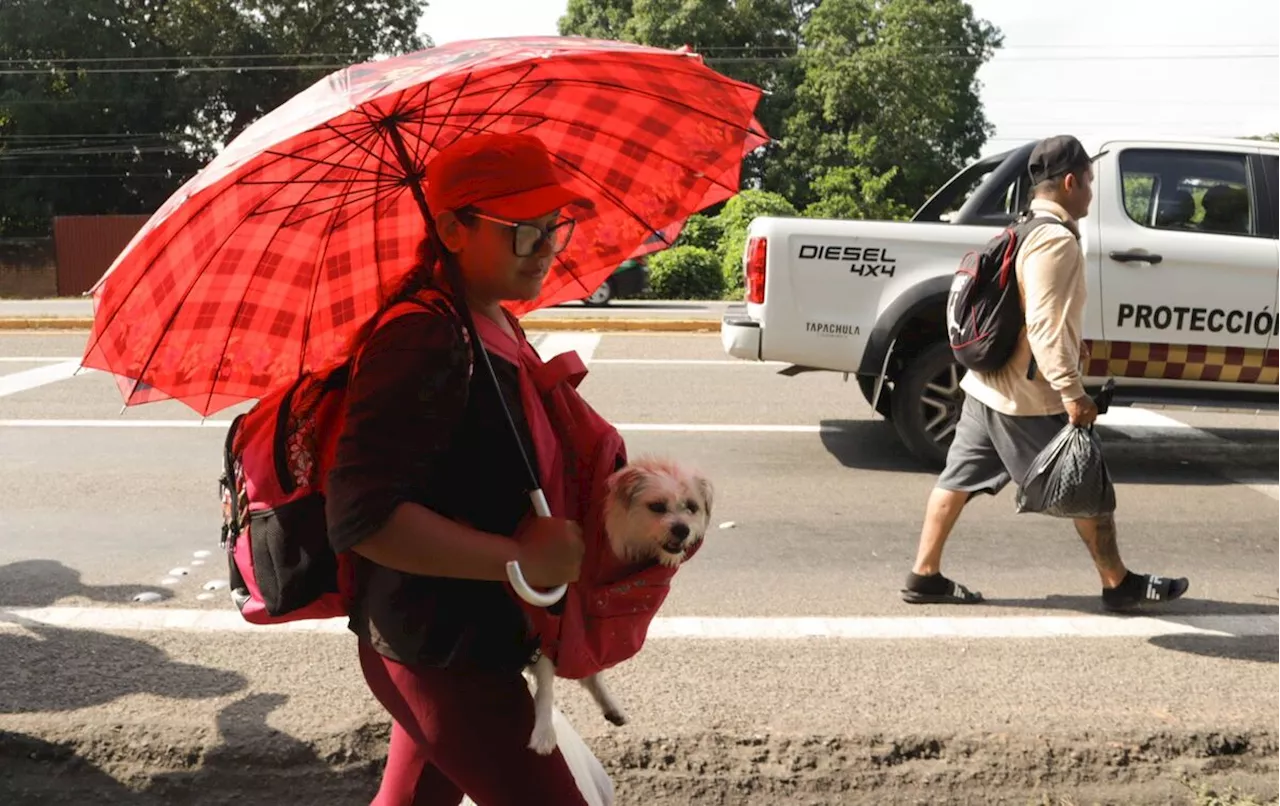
1011 414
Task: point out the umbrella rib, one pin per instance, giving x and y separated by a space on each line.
244 296
607 192
622 88
488 112
453 101
376 177
363 194
635 143
282 155
372 198
197 274
519 82
347 151
374 129
312 294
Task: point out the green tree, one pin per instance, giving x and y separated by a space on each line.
888 106
750 40
109 106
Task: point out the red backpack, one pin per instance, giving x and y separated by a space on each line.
276 458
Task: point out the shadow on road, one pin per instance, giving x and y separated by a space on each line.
54 670
47 669
42 583
1257 648
874 445
254 764
1092 605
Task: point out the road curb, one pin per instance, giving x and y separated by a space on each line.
344 768
46 323
532 324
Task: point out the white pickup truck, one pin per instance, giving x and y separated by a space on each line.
1182 265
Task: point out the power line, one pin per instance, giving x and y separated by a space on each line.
248 68
36 60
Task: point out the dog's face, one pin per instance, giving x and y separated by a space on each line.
657 510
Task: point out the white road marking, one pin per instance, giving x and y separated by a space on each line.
1144 424
36 359
33 378
710 628
121 423
708 362
727 428
552 344
705 428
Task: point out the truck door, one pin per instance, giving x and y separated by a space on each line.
1187 261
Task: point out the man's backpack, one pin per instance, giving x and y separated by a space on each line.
984 308
276 459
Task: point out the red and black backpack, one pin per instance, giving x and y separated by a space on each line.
276 459
984 308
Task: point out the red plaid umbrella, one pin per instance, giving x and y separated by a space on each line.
264 264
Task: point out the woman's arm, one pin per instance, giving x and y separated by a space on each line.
417 540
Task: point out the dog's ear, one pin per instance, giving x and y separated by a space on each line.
627 483
706 490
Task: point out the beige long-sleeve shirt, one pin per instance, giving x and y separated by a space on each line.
1051 281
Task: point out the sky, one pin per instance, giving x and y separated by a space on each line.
1108 68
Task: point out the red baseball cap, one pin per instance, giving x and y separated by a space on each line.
504 175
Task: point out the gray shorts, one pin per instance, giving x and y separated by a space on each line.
991 449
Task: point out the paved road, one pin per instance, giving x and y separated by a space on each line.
820 509
626 309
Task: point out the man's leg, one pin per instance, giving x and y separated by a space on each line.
1019 440
940 516
1099 534
973 466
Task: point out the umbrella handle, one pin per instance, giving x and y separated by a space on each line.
516 577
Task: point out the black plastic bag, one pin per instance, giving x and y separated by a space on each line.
1069 478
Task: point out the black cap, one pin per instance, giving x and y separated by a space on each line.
1055 156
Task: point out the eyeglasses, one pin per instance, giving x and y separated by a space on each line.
526 239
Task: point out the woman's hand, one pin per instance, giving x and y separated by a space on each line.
550 551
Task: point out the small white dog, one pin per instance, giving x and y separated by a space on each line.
656 511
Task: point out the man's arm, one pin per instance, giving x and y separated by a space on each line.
1050 275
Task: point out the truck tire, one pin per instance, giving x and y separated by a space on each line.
884 406
926 403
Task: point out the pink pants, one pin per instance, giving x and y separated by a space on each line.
457 733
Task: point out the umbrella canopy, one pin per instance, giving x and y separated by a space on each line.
264 264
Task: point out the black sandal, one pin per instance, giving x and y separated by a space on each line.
937 589
1142 589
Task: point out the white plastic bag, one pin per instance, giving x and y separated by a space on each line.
593 781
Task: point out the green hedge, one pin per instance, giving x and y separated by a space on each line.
685 272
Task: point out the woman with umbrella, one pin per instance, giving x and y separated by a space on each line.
427 490
398 215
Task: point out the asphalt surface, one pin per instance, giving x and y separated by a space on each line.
808 525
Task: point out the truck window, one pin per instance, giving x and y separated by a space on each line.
1192 191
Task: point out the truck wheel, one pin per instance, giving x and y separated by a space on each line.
926 403
884 406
